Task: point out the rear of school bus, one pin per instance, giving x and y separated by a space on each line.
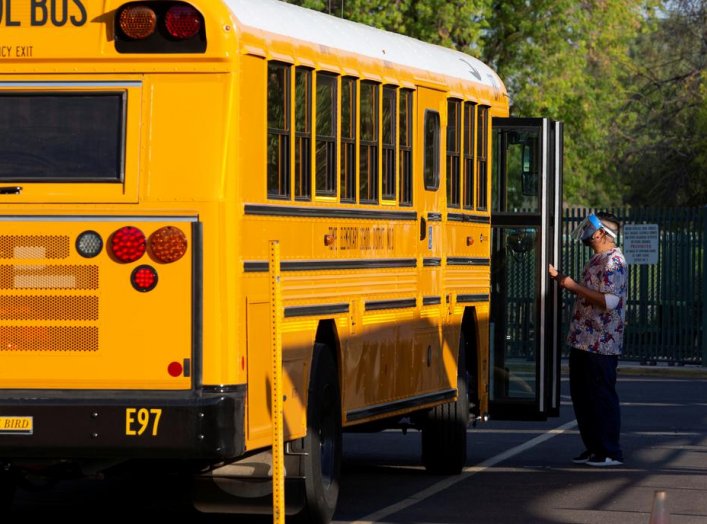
111 179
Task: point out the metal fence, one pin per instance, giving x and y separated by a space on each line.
666 314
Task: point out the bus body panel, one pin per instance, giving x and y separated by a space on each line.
70 322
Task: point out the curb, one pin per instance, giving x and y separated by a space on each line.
635 369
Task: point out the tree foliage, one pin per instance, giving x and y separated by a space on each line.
661 147
627 78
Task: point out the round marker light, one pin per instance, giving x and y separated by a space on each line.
175 369
182 21
137 22
89 244
168 244
128 244
144 278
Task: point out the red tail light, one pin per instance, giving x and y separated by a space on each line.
144 278
182 21
128 244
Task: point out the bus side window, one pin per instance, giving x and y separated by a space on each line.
303 133
406 147
431 153
453 151
326 134
368 161
348 139
481 158
469 126
390 120
278 170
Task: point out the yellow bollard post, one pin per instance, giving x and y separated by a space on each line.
278 465
659 513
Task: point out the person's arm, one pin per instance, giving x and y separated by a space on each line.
594 297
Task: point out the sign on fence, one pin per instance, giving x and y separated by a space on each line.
641 243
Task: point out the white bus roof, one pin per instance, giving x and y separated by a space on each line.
312 26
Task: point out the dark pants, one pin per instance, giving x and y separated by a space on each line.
595 401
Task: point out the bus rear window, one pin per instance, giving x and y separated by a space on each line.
62 137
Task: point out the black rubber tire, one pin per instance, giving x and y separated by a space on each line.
323 443
444 429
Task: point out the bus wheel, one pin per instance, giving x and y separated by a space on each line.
444 430
322 445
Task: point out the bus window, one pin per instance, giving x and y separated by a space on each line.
326 134
390 119
81 136
348 139
482 153
469 113
278 130
303 133
453 143
406 147
368 162
431 166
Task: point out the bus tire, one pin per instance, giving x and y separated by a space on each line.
444 429
323 442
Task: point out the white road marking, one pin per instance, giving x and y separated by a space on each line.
467 472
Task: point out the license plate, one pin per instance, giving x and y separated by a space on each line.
16 425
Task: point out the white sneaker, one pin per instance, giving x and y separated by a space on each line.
600 461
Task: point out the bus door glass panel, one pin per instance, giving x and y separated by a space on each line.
524 352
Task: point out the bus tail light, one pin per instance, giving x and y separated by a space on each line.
137 21
182 21
127 244
89 244
167 244
159 26
144 278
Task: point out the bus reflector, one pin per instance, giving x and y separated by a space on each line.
89 244
182 21
174 369
128 244
138 22
168 244
144 278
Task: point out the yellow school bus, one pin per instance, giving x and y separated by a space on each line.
152 151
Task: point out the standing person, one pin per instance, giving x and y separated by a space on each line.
595 339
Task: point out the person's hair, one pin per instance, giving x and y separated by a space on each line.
609 220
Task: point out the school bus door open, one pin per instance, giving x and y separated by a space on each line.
525 309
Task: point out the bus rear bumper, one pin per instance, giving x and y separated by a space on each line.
205 425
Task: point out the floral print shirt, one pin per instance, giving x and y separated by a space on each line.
601 330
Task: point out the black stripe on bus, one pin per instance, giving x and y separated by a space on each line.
417 401
391 304
434 217
197 301
257 266
460 217
467 261
327 212
427 262
431 301
309 311
473 298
